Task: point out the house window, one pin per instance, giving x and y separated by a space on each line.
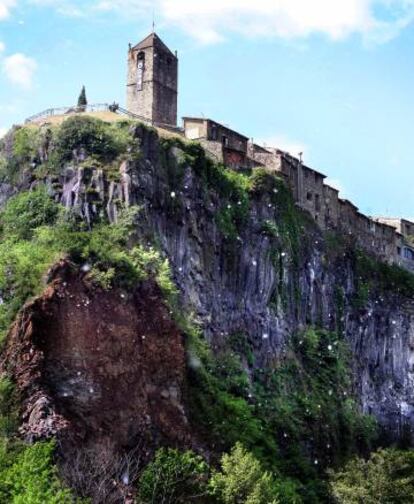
224 141
309 196
399 251
214 132
409 254
317 203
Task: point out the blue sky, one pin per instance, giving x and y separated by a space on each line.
334 78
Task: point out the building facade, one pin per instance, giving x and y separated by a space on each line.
226 145
152 83
152 91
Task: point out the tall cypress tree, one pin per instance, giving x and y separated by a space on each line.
82 101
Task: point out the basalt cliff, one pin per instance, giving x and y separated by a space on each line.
291 334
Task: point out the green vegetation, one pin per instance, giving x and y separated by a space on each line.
278 412
281 425
37 232
387 477
44 151
374 276
231 187
105 142
82 101
239 344
8 409
219 391
243 479
27 473
174 477
29 476
269 228
27 212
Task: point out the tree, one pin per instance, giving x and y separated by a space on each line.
27 211
386 478
243 480
82 101
28 476
174 477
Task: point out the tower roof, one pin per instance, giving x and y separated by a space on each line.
152 40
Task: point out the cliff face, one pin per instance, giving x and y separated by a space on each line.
102 370
237 286
236 274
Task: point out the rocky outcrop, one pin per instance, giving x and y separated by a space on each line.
99 368
252 284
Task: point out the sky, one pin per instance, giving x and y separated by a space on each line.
331 78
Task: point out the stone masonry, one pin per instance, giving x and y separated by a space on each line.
153 81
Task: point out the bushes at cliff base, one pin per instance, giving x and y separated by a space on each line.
242 479
28 476
174 477
183 477
387 477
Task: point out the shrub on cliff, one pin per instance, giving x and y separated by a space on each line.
387 477
102 140
174 477
243 480
27 211
28 476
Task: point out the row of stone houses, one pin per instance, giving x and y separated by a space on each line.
390 239
152 91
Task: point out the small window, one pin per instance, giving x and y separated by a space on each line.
409 254
399 251
317 203
224 140
309 196
214 132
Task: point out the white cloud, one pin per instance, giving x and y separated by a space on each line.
286 144
2 47
19 69
3 131
213 20
5 8
376 20
69 8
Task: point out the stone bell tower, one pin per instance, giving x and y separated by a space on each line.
153 81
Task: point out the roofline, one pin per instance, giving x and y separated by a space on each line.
207 119
285 153
347 202
155 37
331 188
400 219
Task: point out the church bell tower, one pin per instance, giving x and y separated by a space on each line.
152 85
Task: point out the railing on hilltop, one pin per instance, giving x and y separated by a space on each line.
99 107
